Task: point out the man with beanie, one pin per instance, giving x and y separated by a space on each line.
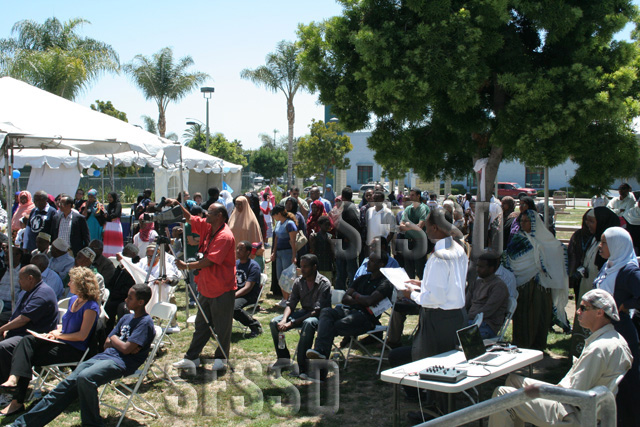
604 358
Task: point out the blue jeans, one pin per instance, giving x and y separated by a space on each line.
309 327
283 260
485 330
83 383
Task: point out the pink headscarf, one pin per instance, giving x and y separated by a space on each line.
272 198
24 209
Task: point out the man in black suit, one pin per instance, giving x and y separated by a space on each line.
70 226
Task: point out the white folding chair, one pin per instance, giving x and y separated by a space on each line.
53 372
511 308
165 313
63 306
373 333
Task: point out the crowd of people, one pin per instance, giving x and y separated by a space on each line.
71 247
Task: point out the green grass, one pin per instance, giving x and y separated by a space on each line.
248 396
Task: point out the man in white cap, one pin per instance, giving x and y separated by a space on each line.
604 358
61 261
43 241
85 258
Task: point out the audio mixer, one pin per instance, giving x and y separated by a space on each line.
440 373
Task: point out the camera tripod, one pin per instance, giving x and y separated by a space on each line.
162 274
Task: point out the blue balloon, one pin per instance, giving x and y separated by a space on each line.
96 173
16 174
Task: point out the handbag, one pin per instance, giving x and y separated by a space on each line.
301 240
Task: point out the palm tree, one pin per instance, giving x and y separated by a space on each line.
53 57
151 127
281 73
194 131
162 80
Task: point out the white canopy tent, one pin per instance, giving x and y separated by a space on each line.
33 118
57 171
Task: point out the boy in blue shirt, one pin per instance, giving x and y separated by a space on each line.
126 349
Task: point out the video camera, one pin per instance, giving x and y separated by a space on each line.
167 216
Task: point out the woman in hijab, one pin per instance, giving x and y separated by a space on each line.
243 222
227 201
94 213
254 204
112 240
145 236
25 206
620 276
539 262
526 203
597 220
317 211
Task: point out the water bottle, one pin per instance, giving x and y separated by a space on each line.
282 344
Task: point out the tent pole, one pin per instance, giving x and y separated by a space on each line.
8 144
113 169
184 235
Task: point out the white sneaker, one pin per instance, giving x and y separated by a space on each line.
173 329
282 303
219 364
187 364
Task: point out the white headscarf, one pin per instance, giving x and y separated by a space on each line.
227 201
621 253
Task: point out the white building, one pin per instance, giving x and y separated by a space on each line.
364 169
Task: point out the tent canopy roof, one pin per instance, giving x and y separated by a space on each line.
34 118
168 157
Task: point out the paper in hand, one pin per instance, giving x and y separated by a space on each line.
398 278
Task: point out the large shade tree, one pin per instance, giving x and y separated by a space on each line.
323 150
54 57
163 80
282 72
443 83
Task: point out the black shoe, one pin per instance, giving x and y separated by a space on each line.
345 342
255 332
371 340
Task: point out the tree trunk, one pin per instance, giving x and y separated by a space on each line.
291 117
162 122
495 157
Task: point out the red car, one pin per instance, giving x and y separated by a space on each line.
514 190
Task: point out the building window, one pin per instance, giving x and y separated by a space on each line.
365 174
534 177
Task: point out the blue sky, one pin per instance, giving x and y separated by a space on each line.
222 37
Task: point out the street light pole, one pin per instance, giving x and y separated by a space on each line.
207 92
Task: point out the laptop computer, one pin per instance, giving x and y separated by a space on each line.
474 349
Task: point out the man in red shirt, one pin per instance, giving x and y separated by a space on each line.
216 282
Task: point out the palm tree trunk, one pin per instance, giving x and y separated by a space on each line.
291 117
162 121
